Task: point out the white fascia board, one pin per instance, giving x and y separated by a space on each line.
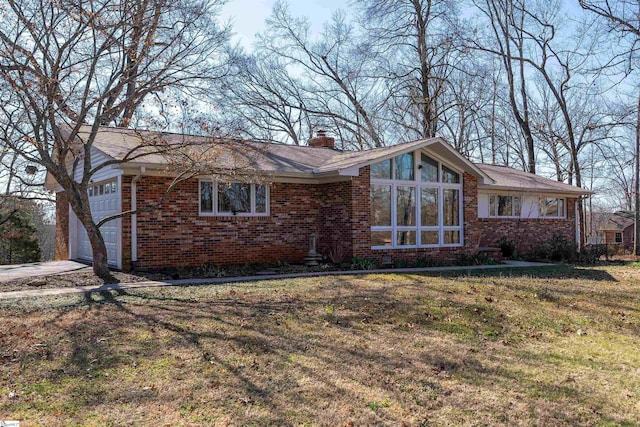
486 179
532 190
353 171
418 145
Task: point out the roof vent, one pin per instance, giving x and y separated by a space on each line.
321 140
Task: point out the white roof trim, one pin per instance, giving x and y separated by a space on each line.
417 145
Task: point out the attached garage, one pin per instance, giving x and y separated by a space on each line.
105 199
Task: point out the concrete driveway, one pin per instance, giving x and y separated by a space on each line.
19 271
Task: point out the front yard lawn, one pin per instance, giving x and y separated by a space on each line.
546 347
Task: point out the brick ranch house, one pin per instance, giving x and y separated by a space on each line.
417 199
619 229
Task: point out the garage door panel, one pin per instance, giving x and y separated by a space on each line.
103 204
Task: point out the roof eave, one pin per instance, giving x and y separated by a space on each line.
353 170
577 192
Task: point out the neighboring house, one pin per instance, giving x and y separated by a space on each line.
619 229
411 200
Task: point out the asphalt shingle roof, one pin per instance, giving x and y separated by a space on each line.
274 158
509 178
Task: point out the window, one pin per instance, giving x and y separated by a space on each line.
416 201
404 167
381 170
429 169
504 206
618 237
233 198
380 205
109 187
450 176
552 207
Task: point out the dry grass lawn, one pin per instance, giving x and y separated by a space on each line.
546 347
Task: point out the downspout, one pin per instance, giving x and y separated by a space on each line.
134 219
577 222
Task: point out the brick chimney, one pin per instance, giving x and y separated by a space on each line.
321 140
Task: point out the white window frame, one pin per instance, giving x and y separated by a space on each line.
615 237
417 184
544 214
252 196
496 214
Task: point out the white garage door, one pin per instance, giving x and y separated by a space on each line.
105 200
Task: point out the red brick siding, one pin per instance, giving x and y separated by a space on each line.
125 190
175 235
62 226
361 218
338 213
528 233
627 237
335 211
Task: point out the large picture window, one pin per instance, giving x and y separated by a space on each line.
504 206
233 198
416 201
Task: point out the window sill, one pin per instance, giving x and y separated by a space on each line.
382 248
229 215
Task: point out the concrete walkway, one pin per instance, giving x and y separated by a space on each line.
49 268
223 280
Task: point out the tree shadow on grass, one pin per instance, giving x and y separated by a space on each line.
278 357
561 271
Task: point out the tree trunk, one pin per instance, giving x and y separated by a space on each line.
98 248
636 237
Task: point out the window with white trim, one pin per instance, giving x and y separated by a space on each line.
552 207
504 206
618 237
416 201
233 198
108 187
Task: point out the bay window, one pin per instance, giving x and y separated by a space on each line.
415 201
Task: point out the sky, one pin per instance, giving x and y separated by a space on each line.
248 16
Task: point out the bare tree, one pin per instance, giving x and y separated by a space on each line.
328 78
269 103
416 46
508 22
71 63
623 18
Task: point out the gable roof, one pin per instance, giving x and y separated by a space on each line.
507 178
160 149
268 158
618 221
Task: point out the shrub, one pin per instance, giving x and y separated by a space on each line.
476 259
557 249
507 247
363 264
338 252
426 261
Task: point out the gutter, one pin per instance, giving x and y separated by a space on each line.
134 218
